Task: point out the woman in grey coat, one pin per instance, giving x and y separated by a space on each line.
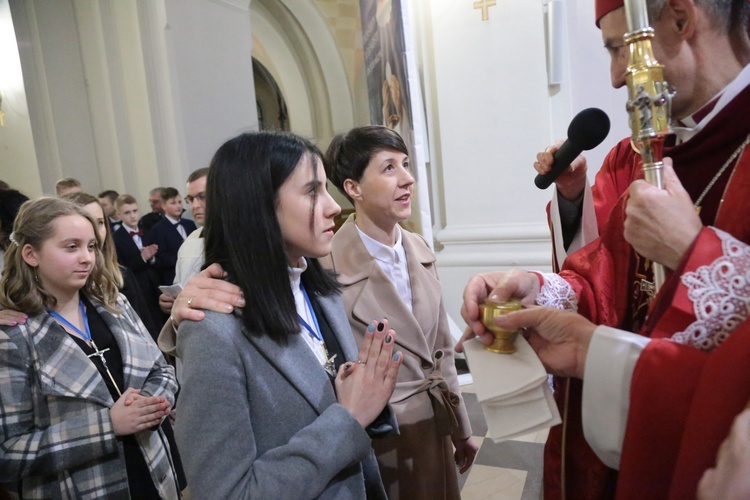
272 405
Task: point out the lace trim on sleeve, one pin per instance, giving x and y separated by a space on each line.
556 293
720 293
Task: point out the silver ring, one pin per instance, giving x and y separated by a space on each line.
360 362
190 301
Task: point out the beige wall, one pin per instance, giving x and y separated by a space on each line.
124 96
17 156
490 110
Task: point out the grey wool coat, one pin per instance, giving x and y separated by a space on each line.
258 419
56 434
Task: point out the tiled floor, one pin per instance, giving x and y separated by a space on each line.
511 470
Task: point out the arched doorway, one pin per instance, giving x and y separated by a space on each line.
293 44
269 101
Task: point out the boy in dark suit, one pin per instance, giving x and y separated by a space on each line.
169 234
136 252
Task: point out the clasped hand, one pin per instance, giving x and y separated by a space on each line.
133 413
365 386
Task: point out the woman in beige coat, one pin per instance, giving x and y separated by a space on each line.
388 271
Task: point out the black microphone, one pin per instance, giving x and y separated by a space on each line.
587 130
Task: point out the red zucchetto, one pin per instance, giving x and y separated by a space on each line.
604 7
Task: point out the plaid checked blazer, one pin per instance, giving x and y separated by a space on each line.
56 435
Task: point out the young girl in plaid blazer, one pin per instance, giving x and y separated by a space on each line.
86 386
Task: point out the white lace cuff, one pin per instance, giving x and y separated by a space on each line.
720 293
556 293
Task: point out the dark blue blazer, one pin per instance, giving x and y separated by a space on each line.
145 274
127 251
165 235
150 220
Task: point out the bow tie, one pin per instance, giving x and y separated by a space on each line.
136 233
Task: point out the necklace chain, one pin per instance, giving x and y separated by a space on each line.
317 334
722 169
99 353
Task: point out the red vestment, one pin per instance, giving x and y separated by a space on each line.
675 426
606 274
620 168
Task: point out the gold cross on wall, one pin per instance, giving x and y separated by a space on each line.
485 6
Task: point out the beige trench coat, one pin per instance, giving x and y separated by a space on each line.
419 463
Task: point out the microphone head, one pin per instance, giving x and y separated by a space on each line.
589 128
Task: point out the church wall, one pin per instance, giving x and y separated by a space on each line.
345 23
55 88
277 54
17 156
209 46
490 110
130 95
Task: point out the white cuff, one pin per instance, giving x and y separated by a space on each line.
556 293
588 229
610 362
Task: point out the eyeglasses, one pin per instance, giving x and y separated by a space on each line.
198 197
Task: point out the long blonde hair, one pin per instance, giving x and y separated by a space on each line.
19 287
109 252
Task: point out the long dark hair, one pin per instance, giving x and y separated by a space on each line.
10 203
243 234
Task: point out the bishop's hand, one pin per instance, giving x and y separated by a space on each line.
499 286
661 224
560 338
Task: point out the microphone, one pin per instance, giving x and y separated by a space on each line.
587 130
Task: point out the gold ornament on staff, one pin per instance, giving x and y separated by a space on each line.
649 106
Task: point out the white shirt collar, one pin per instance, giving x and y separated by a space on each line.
295 274
381 252
725 96
304 312
392 261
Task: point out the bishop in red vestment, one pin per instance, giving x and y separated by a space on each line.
607 281
608 277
